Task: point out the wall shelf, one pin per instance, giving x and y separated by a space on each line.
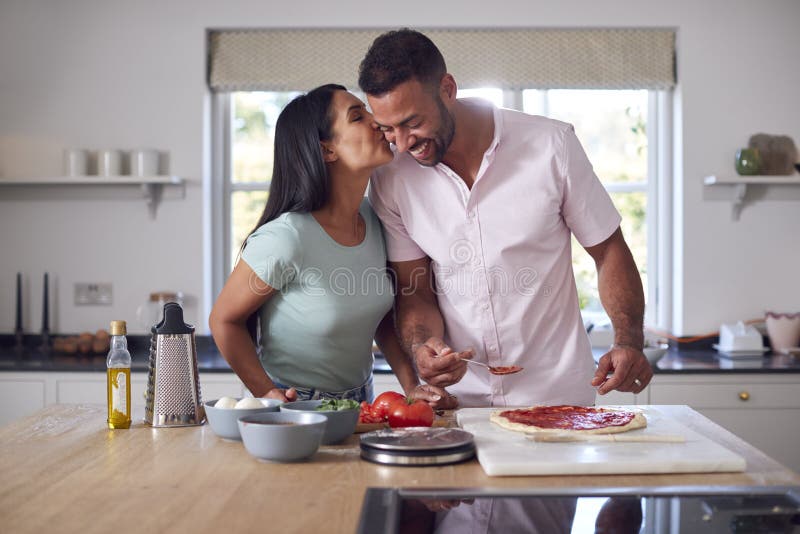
152 186
741 183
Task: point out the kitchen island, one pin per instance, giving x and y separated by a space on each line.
63 470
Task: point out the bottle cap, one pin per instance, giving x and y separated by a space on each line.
118 328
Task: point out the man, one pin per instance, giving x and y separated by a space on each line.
478 206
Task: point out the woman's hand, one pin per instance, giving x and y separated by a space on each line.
437 397
285 395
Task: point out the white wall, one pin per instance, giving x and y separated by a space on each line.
110 74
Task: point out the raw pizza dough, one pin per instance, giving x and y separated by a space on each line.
638 421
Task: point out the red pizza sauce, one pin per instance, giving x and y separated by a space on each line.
500 370
568 417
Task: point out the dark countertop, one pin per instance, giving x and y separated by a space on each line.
690 360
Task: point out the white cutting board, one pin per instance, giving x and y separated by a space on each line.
503 452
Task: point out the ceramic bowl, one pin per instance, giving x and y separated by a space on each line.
340 425
223 420
654 354
783 330
282 436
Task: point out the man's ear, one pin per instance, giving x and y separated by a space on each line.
328 154
448 88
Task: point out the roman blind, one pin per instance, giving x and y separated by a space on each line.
300 59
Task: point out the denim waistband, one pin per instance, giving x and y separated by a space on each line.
364 392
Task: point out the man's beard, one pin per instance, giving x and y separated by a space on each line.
443 137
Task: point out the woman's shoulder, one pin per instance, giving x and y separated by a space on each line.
285 227
278 237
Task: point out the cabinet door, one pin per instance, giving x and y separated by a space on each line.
90 388
615 398
216 385
19 398
385 382
774 432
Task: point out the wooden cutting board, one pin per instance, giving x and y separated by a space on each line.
503 452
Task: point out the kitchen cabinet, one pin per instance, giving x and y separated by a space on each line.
761 408
23 393
385 382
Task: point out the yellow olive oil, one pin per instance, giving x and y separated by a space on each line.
119 398
118 381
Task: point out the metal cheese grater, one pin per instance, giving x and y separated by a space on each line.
173 386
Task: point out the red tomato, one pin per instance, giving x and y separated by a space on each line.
383 403
411 413
366 415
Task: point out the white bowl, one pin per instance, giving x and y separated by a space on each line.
654 354
223 420
282 436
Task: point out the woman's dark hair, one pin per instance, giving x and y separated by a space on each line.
299 176
398 56
300 180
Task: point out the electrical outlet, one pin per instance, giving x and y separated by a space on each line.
93 294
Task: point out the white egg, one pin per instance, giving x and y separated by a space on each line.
226 402
249 403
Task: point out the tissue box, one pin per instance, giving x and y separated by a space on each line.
733 337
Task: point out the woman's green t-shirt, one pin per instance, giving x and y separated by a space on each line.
317 329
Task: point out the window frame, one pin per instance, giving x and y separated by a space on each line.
658 188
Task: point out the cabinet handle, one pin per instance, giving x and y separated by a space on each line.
744 396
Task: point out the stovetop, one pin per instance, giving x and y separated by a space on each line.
708 510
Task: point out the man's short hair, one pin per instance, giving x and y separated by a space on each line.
398 56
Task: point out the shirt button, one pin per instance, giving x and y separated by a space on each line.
485 306
491 347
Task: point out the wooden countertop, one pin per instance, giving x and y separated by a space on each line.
64 470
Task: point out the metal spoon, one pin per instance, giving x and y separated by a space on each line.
496 370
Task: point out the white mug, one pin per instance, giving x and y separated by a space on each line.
109 163
76 162
144 162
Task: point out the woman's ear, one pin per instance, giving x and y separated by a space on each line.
328 154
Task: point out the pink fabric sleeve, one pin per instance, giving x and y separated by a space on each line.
399 245
586 206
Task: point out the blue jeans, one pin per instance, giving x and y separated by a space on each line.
364 392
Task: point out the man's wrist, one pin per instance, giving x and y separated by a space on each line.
638 347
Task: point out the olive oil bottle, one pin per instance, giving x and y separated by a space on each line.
119 378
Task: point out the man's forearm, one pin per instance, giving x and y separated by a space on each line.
621 294
418 320
399 361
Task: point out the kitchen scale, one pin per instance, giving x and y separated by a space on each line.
417 446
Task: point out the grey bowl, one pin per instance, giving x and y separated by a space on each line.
282 436
223 420
654 354
340 425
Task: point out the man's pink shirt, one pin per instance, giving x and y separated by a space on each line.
501 256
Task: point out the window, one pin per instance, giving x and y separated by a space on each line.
253 117
612 125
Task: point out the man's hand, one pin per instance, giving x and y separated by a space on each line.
437 397
438 365
632 371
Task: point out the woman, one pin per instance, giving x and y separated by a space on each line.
314 268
